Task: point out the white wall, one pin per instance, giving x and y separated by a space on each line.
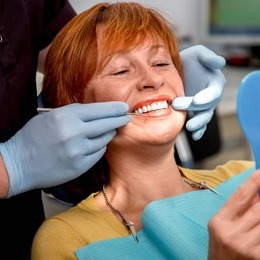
183 13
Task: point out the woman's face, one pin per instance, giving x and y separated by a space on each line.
147 80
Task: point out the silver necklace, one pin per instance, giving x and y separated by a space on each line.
128 224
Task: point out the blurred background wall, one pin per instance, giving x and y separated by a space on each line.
183 13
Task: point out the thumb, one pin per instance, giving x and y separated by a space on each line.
210 59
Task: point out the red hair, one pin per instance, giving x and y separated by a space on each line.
72 59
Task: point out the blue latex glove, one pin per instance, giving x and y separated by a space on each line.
203 84
60 145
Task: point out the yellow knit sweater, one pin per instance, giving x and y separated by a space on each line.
61 235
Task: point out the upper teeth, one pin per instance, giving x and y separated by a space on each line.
152 107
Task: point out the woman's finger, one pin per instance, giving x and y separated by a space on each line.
242 199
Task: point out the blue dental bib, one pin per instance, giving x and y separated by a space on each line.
173 228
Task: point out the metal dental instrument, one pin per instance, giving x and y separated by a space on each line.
46 109
43 109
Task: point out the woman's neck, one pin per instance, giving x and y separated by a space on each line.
138 178
151 173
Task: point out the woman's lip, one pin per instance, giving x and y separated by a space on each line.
151 100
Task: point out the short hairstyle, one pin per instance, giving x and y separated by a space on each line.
73 56
73 59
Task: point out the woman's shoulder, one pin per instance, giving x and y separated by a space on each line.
51 239
72 220
219 174
85 222
85 212
235 166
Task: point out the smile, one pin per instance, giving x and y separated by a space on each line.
152 107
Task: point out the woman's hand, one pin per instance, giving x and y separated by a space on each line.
235 230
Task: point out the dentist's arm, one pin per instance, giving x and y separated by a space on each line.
204 84
55 147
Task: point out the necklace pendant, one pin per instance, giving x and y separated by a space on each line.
131 227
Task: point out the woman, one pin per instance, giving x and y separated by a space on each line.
130 55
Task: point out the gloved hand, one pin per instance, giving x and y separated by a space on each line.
60 145
203 85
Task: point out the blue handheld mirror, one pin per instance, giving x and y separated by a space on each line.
248 111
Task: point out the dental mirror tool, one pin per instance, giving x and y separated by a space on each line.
46 109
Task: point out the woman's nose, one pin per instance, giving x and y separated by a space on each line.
150 79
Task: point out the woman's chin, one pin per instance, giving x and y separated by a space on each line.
153 130
152 135
160 137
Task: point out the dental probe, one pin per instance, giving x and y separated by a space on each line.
46 109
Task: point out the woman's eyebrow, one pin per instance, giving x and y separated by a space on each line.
157 46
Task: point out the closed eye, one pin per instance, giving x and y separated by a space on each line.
162 64
120 72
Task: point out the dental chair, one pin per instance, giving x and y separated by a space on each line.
189 152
